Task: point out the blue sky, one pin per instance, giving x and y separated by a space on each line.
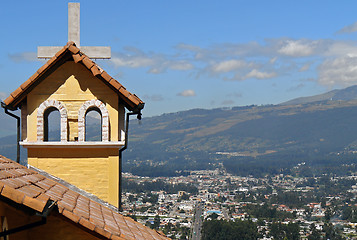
179 55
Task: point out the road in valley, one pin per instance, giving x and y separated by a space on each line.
197 224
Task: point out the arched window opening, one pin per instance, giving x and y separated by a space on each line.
98 106
45 109
52 125
93 125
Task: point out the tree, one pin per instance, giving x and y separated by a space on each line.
346 213
213 216
156 224
285 231
328 214
331 233
315 234
229 230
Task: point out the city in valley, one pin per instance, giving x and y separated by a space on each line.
290 206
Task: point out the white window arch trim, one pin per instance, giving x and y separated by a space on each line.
40 118
81 119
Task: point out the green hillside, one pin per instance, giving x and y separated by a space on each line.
272 137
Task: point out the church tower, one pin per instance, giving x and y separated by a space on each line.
73 86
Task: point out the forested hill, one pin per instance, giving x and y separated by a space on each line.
245 140
248 139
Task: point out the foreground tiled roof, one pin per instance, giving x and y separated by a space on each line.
28 187
71 53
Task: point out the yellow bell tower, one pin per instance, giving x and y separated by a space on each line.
71 84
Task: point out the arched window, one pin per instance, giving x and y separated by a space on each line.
100 107
93 125
43 114
52 125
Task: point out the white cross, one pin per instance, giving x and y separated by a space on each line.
73 35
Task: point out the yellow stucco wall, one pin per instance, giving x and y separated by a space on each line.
73 84
95 170
55 228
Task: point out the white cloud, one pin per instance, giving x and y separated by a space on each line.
23 57
341 48
272 58
340 71
348 29
132 61
297 48
259 75
187 93
157 63
228 66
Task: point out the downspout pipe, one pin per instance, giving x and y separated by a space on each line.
3 105
138 113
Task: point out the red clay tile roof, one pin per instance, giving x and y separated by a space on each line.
30 188
71 53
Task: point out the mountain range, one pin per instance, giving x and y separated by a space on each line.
318 131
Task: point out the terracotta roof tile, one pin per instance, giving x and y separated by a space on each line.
106 76
81 212
9 100
43 197
73 49
25 84
95 70
87 62
12 194
41 69
17 92
102 232
51 61
77 57
132 102
87 224
5 175
71 215
13 182
27 187
134 99
124 92
113 237
30 191
115 84
34 203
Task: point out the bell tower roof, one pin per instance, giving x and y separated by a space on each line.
70 52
